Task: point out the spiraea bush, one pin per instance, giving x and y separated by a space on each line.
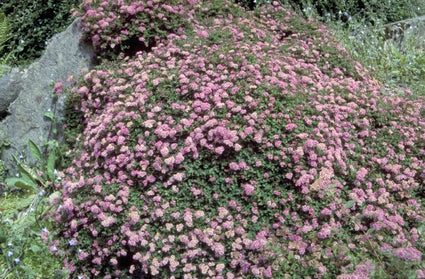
130 26
246 145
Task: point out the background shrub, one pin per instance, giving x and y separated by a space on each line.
373 12
32 24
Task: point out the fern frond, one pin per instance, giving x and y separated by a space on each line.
4 30
4 36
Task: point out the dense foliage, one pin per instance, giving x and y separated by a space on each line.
32 24
372 12
246 144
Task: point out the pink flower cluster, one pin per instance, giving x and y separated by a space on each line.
230 152
119 25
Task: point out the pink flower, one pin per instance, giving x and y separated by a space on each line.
103 23
248 189
164 151
113 261
361 174
324 232
364 270
203 34
326 211
73 224
149 123
228 225
134 217
420 274
178 176
108 221
234 166
137 256
58 87
304 179
179 158
83 90
219 150
290 127
258 138
268 272
82 255
199 214
131 10
169 161
408 254
187 217
222 212
159 212
97 261
218 249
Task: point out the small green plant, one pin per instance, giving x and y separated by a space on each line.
24 231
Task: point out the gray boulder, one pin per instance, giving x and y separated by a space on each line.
28 95
10 86
410 30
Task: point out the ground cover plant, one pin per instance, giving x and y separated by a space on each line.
242 145
24 252
24 204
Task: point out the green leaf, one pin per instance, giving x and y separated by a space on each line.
26 174
51 165
22 183
50 115
349 204
35 151
35 248
421 229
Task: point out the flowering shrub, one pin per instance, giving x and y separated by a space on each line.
131 26
251 147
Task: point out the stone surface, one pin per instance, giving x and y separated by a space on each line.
10 86
412 29
32 92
